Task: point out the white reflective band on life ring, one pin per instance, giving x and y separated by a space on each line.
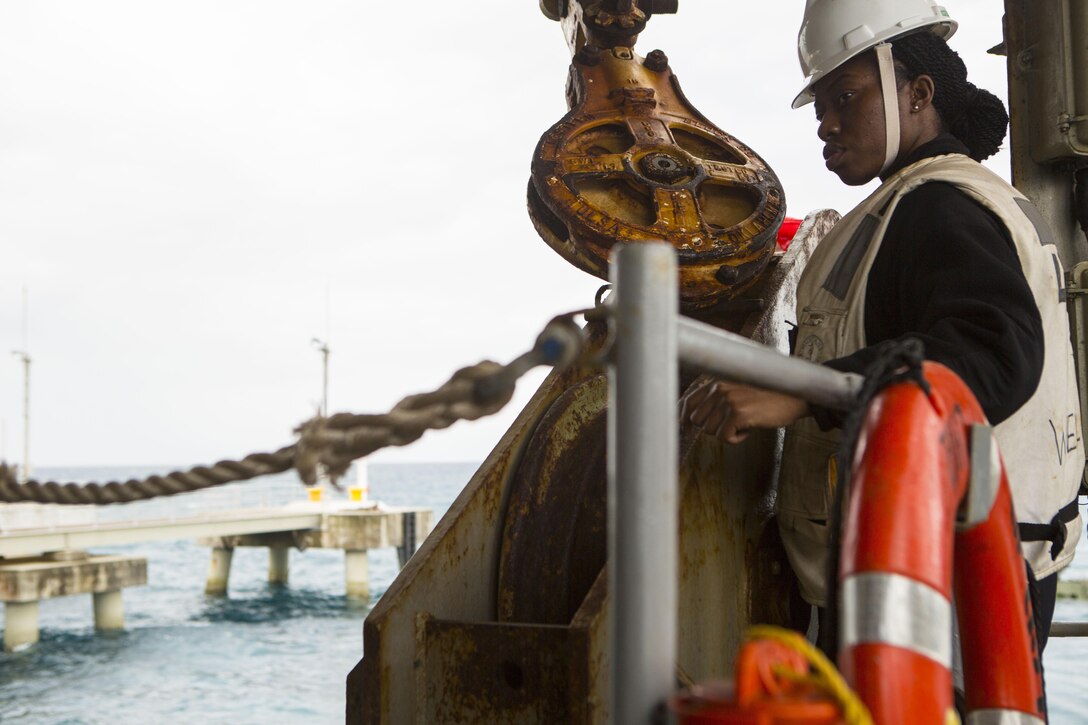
985 478
896 610
1002 717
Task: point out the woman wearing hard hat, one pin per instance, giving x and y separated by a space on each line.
943 251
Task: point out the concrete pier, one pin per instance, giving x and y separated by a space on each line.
355 530
219 571
25 582
278 564
1074 589
20 625
109 612
357 574
41 561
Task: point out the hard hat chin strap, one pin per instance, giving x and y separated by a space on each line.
891 104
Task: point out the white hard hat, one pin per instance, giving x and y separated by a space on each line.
834 31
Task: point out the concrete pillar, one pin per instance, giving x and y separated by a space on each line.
219 571
20 625
109 613
278 564
357 573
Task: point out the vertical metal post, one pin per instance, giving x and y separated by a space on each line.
24 470
325 380
1031 25
24 357
642 482
323 348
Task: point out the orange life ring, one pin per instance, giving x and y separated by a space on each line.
907 544
929 513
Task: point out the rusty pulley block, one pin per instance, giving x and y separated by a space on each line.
633 160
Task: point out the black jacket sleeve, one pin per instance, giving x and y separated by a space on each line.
948 273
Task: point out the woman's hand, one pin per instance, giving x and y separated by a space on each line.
729 410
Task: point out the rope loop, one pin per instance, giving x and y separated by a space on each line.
823 676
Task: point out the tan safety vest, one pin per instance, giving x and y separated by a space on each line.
1040 443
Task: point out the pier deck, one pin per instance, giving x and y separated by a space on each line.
47 561
32 541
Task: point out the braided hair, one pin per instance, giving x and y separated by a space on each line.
973 115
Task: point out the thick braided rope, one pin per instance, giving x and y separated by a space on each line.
331 443
195 479
481 390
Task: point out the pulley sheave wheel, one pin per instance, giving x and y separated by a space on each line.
634 161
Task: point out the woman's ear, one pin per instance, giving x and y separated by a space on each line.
920 93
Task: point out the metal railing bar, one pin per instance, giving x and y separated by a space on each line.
741 360
1069 629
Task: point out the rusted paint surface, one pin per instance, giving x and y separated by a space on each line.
552 9
592 618
634 160
723 511
775 594
502 673
354 702
454 573
555 533
732 571
591 622
555 526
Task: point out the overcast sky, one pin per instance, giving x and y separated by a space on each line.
184 184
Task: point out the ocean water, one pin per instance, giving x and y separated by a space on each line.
268 654
264 654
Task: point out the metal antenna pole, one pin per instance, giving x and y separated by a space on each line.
24 356
642 482
24 472
323 348
325 379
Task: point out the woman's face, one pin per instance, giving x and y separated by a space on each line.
850 108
